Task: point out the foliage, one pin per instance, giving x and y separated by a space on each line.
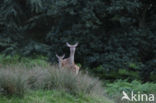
111 33
133 73
54 96
27 61
116 88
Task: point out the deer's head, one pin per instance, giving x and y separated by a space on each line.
60 58
72 47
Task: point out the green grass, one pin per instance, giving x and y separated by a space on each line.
34 80
27 61
54 96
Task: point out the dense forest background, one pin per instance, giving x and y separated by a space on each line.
117 38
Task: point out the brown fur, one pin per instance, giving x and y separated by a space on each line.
69 62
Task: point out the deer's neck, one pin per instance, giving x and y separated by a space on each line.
72 53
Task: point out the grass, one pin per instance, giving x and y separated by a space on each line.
36 81
27 61
12 82
29 80
15 80
53 96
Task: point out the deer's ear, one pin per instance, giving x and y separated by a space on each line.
57 56
63 56
68 44
75 45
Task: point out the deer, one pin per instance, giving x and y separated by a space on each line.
60 60
69 62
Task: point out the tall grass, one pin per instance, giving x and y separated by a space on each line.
17 79
13 82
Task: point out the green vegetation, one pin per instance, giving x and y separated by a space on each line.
53 96
27 61
15 80
115 89
129 74
116 34
116 45
23 82
33 80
